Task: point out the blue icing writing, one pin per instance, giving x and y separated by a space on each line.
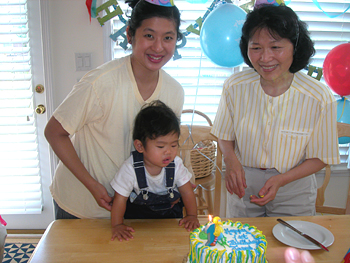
241 239
241 245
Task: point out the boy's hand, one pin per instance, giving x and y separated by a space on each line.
189 222
121 232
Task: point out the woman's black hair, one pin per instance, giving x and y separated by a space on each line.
142 10
155 119
281 21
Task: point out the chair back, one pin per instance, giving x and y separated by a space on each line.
190 136
343 131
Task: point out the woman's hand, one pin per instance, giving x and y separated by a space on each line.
189 222
101 196
268 192
235 177
174 203
121 232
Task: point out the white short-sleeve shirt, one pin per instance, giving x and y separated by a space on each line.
125 181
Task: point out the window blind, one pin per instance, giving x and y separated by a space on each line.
20 182
202 80
329 28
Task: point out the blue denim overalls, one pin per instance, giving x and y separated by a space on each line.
150 205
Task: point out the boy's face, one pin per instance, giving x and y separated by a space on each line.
158 153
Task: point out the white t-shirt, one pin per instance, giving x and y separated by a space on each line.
125 181
99 114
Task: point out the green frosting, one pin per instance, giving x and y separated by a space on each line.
203 235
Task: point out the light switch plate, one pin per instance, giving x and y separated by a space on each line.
83 61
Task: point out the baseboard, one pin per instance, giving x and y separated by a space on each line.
25 231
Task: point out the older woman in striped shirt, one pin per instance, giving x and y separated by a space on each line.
276 125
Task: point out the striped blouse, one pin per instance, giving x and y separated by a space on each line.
278 132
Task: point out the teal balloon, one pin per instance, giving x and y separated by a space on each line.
221 33
343 115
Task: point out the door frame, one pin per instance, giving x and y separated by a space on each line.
38 19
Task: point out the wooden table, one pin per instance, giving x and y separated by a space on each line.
162 240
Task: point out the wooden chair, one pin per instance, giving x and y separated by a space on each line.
343 130
190 136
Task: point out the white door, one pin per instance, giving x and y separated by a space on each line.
40 58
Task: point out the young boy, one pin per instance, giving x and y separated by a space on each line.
153 182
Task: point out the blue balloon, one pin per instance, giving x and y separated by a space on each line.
343 115
197 1
221 33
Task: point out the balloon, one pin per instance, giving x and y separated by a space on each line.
343 115
197 1
336 69
221 33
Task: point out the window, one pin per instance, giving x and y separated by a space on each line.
202 80
20 182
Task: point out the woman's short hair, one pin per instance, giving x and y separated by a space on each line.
142 10
281 21
155 119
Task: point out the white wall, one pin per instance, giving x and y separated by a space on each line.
71 32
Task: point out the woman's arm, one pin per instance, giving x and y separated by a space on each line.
269 190
61 144
234 176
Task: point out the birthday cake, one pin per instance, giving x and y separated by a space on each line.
227 242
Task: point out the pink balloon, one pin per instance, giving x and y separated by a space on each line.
336 69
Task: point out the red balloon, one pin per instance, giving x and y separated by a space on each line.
336 69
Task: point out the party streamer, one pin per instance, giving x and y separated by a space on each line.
330 16
341 115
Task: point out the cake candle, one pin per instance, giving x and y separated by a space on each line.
210 222
214 230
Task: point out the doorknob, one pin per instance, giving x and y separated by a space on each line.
40 109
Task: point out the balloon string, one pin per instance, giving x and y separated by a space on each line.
341 115
195 98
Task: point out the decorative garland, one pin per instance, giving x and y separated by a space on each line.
313 69
121 32
195 29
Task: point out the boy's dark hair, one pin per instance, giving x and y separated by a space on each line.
142 10
281 21
155 119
